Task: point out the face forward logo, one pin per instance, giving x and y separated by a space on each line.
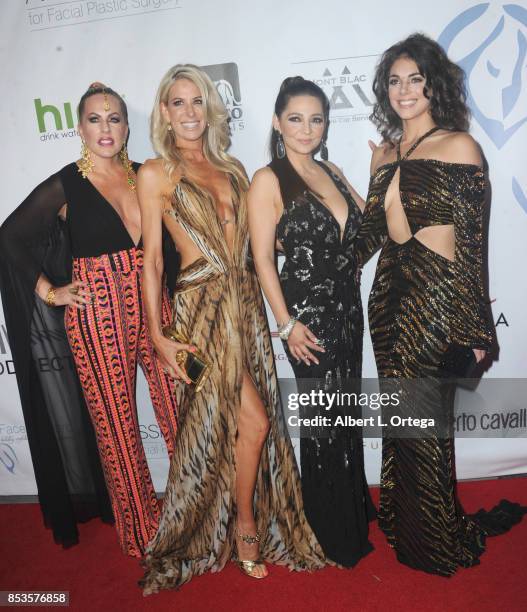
495 69
227 81
8 457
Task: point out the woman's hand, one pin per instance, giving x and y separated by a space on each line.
172 356
479 354
76 294
301 342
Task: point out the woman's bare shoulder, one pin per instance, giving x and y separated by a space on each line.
264 177
460 148
154 174
334 168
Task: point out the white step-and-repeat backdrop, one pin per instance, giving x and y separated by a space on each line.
51 50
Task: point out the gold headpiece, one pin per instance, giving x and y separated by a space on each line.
99 85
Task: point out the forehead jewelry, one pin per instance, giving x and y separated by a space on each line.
106 104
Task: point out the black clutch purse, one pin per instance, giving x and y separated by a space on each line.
458 362
195 364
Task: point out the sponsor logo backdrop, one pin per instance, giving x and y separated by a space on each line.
53 49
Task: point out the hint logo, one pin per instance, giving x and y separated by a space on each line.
53 122
225 77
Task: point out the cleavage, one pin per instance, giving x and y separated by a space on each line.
396 219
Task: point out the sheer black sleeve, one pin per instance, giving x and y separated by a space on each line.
25 235
69 478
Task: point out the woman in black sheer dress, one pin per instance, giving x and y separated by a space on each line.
84 221
312 214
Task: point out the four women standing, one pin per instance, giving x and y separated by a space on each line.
233 487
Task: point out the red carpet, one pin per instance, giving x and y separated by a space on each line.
99 577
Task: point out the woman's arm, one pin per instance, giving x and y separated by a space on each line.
264 214
472 325
150 182
24 240
264 208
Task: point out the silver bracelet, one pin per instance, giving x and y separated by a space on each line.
285 329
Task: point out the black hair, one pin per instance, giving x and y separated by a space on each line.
290 88
99 88
445 87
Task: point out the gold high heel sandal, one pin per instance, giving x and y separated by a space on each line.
247 566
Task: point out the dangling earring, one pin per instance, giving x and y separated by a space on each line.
169 128
280 147
323 151
127 165
85 163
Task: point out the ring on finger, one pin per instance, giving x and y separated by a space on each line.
73 290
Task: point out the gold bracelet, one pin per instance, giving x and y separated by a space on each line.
51 297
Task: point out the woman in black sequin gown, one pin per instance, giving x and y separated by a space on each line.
308 209
425 208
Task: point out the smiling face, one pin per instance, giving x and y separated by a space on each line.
184 111
103 131
301 124
406 87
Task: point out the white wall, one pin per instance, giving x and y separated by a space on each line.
51 50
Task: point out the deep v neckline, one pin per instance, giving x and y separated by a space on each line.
398 164
234 203
117 215
341 230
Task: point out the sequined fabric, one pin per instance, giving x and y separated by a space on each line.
419 304
321 287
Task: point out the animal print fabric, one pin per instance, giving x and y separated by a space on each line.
219 308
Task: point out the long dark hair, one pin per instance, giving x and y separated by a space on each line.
99 88
297 86
445 87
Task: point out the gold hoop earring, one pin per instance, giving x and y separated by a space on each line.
127 165
85 163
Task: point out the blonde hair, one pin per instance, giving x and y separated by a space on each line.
216 138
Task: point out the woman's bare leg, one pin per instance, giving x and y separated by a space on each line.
253 426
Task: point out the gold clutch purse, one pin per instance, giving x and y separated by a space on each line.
195 364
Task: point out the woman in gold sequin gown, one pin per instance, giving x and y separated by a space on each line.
424 208
233 487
